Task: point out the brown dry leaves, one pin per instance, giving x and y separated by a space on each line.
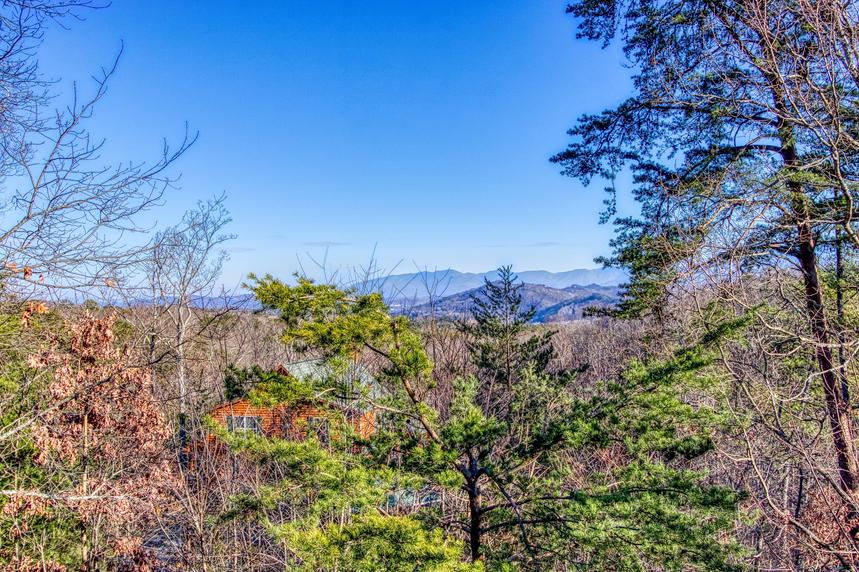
104 431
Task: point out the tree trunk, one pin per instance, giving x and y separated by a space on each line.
835 394
85 553
474 521
839 314
472 488
797 512
837 407
182 384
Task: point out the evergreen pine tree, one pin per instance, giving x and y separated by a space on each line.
741 138
498 343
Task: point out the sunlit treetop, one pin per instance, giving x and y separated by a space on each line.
341 323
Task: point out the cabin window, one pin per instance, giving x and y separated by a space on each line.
244 423
318 427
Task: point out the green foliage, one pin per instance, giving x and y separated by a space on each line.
321 488
334 496
264 387
236 382
650 260
320 482
340 323
371 542
709 190
641 504
29 527
848 317
467 426
499 322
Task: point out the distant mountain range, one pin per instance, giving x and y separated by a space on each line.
551 304
557 296
419 287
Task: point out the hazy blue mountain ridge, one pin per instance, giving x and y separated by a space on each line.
557 296
418 287
551 304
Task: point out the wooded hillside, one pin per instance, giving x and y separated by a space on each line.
702 418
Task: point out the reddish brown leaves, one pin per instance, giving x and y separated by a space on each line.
104 431
27 564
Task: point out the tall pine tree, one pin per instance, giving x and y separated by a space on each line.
741 136
499 322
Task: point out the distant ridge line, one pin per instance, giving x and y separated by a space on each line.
421 286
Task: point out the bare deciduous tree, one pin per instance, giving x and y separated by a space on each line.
67 214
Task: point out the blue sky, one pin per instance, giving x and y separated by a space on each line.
420 129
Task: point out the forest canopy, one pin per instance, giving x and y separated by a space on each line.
151 420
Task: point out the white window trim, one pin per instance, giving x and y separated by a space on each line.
244 423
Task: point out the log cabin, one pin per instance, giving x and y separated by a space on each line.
300 419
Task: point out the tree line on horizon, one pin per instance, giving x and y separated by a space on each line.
706 422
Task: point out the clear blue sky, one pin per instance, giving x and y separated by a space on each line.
421 127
